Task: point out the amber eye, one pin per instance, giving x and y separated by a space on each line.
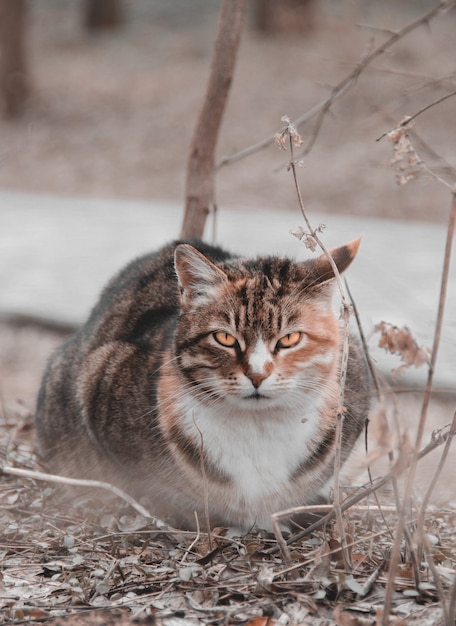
288 341
225 339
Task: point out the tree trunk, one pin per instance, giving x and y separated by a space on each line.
200 166
103 14
13 72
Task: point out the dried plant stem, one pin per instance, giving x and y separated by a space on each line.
438 439
412 157
194 542
206 485
408 491
91 484
438 470
410 118
344 85
437 580
345 315
370 581
452 606
286 556
381 398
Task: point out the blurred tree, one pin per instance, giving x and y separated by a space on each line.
297 16
200 166
14 87
103 14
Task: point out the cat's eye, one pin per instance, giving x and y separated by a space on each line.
225 339
289 341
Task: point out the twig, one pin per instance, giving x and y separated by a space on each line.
381 399
93 484
373 372
437 580
206 486
442 163
352 544
345 84
452 606
194 542
345 315
438 439
408 119
286 556
427 396
439 468
370 582
407 159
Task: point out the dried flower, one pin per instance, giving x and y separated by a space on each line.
406 162
401 342
307 238
289 131
281 139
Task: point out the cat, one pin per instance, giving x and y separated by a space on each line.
209 383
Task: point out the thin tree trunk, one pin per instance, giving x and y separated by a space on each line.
13 71
200 166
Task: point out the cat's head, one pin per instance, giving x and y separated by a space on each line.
260 332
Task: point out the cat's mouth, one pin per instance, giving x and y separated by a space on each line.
256 395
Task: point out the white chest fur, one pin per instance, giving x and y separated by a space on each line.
259 451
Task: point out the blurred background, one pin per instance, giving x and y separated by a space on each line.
96 126
110 108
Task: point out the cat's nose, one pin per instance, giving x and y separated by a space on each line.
257 379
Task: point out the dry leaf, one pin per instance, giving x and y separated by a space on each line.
306 237
261 621
401 342
322 563
346 618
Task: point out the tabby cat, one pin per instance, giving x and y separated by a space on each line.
201 377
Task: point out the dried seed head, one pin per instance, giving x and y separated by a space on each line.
405 162
288 132
401 342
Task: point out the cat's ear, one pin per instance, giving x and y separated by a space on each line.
198 277
342 256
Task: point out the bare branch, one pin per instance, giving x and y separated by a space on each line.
91 484
406 121
345 84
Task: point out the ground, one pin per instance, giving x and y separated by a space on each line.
112 116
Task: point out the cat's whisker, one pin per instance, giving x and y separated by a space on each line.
164 364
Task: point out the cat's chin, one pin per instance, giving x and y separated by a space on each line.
254 402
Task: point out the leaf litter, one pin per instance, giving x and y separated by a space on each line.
68 559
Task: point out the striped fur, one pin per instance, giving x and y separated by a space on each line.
200 377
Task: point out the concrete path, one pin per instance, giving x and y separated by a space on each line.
57 253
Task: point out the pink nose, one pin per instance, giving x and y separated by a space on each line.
257 379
